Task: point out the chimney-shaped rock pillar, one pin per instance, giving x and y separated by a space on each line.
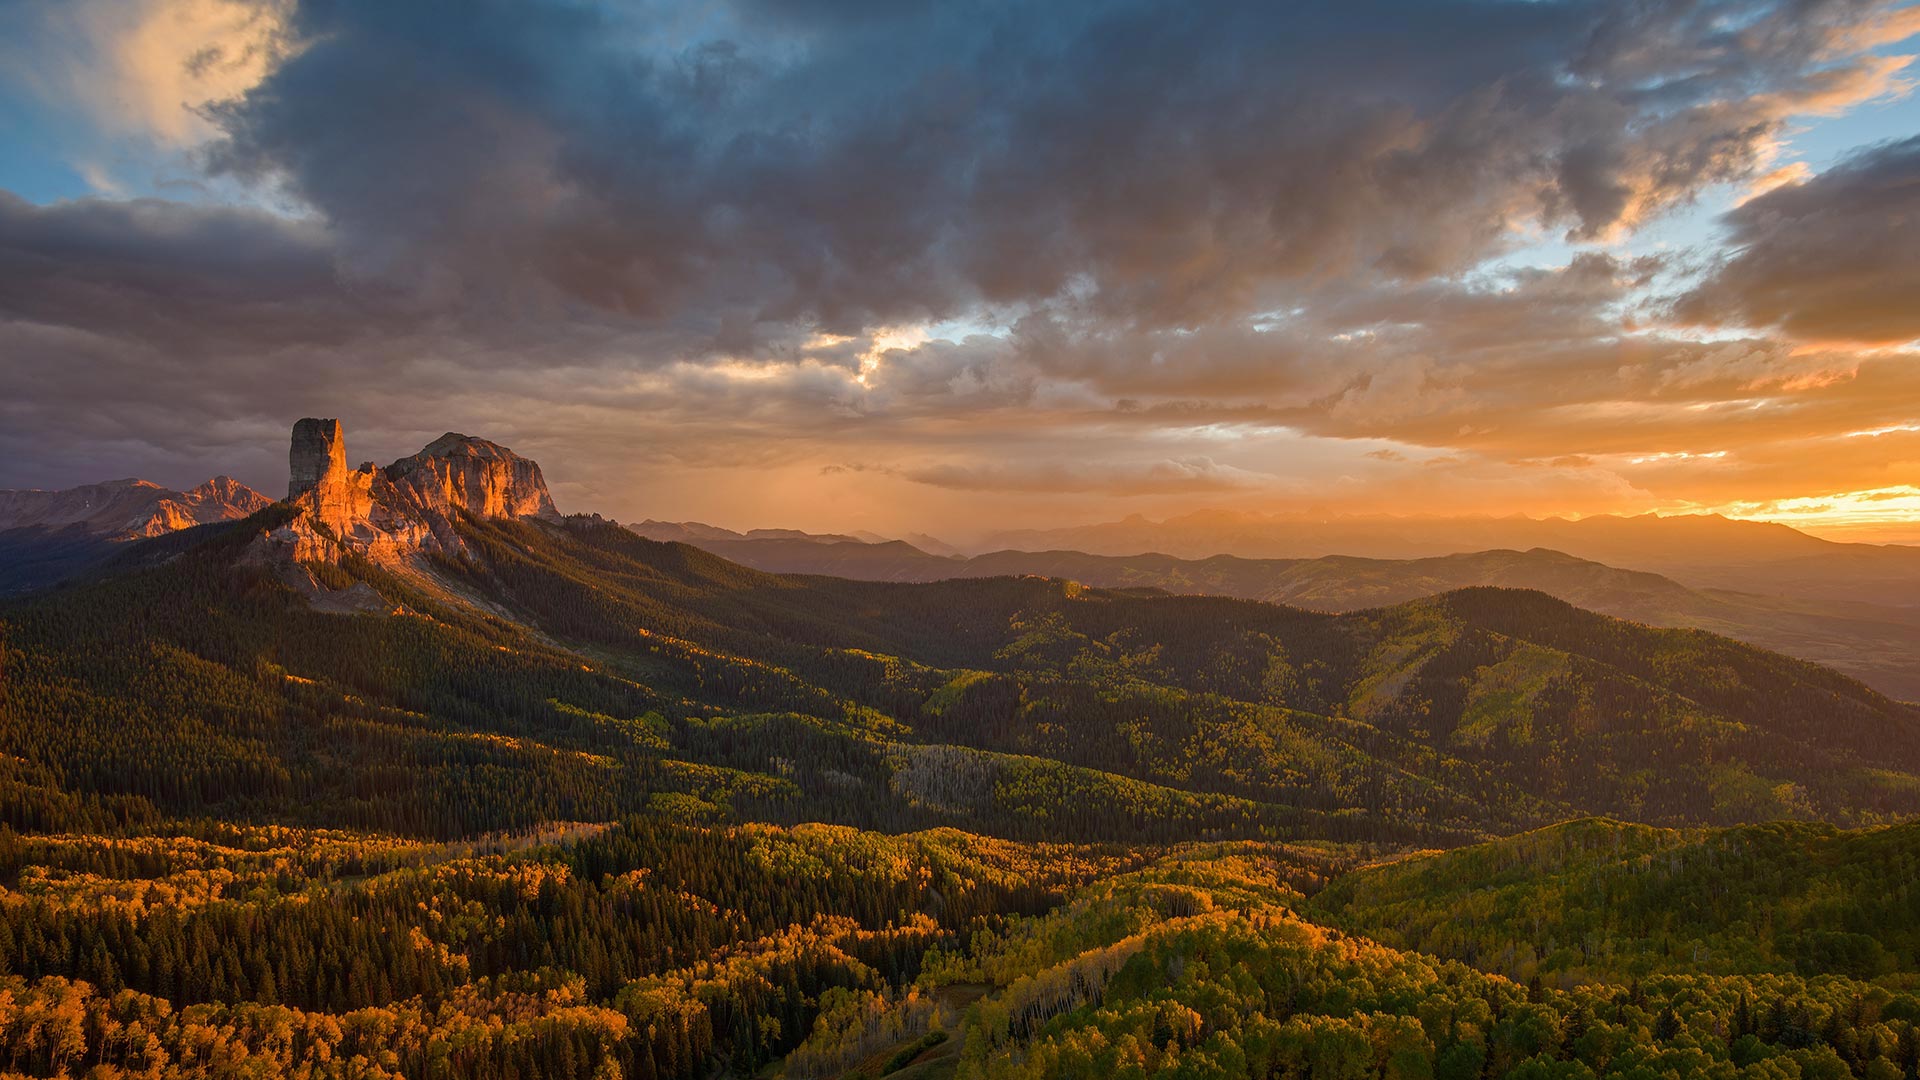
318 455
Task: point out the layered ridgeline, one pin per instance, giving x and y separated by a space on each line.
129 509
1699 550
1873 642
323 772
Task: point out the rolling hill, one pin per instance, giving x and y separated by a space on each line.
614 668
1606 900
1698 550
1872 642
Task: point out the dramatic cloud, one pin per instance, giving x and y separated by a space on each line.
1835 257
196 279
1127 250
1164 164
145 67
1113 478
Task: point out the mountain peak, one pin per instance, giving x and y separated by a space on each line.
226 489
129 508
454 444
407 507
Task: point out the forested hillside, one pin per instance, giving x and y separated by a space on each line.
664 950
1608 900
1869 637
575 802
656 948
1204 966
580 672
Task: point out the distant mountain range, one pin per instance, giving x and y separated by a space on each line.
1854 607
1699 550
126 509
695 532
1276 536
1875 643
48 535
491 664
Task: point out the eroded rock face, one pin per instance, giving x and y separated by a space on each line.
226 497
318 456
408 507
483 478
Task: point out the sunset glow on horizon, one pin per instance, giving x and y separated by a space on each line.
967 269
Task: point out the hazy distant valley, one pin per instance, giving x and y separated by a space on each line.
1763 584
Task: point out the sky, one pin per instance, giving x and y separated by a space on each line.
959 267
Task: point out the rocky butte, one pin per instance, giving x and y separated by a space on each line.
405 508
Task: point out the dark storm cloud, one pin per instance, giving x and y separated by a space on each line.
195 277
1166 163
1834 258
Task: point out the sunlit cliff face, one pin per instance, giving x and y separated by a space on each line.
842 266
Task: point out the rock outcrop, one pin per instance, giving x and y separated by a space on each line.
318 456
483 478
407 508
319 482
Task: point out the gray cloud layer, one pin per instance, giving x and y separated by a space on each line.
1168 164
1836 258
568 225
